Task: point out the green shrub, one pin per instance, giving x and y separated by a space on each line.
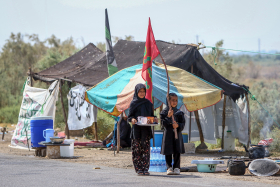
9 114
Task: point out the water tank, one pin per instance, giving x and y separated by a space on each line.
37 125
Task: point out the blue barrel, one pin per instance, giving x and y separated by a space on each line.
37 126
185 137
158 138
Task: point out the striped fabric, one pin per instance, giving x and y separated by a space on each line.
114 94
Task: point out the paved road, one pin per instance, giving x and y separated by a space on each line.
30 171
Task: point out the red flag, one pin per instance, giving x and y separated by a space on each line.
150 53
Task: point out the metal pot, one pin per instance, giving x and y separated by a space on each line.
255 151
237 167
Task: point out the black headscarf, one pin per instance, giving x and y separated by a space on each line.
137 100
166 109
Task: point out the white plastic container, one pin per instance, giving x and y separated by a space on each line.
67 151
229 142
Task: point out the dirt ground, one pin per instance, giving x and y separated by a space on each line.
103 157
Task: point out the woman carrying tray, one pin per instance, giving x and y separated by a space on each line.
140 135
171 146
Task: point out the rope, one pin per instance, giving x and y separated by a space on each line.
253 97
214 53
214 48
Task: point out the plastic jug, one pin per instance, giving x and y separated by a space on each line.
47 134
229 142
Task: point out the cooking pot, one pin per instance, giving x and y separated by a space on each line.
255 151
237 167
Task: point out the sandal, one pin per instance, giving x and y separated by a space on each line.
146 173
140 172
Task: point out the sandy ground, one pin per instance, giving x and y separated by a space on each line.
123 159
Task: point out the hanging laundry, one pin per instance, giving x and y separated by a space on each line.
81 114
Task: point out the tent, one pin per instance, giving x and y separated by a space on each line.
89 65
82 67
129 53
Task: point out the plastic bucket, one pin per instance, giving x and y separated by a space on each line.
67 151
37 126
208 168
185 137
47 134
158 138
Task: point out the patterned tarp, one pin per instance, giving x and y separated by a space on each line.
115 93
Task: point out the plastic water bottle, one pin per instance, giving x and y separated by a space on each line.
152 157
152 166
164 166
157 166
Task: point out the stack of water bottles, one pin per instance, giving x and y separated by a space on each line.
157 160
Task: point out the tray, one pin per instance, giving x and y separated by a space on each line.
147 124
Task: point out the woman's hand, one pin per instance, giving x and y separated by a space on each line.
170 113
175 125
133 121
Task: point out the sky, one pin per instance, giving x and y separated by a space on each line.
240 23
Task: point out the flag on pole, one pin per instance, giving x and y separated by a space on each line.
112 65
150 53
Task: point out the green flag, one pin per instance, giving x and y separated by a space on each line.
112 65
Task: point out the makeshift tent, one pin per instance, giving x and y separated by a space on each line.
114 94
81 114
33 101
129 53
211 121
82 67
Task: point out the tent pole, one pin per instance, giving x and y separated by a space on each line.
190 127
224 123
249 122
190 124
95 131
63 109
119 133
199 127
153 127
30 77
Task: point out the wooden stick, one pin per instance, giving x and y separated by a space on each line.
190 124
199 126
3 130
249 122
167 95
153 127
95 131
64 113
190 127
224 122
119 133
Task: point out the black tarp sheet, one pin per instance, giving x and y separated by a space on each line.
89 66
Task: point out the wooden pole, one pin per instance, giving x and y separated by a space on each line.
3 131
167 95
153 127
190 124
30 77
249 122
63 109
190 127
95 131
224 122
199 127
119 133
